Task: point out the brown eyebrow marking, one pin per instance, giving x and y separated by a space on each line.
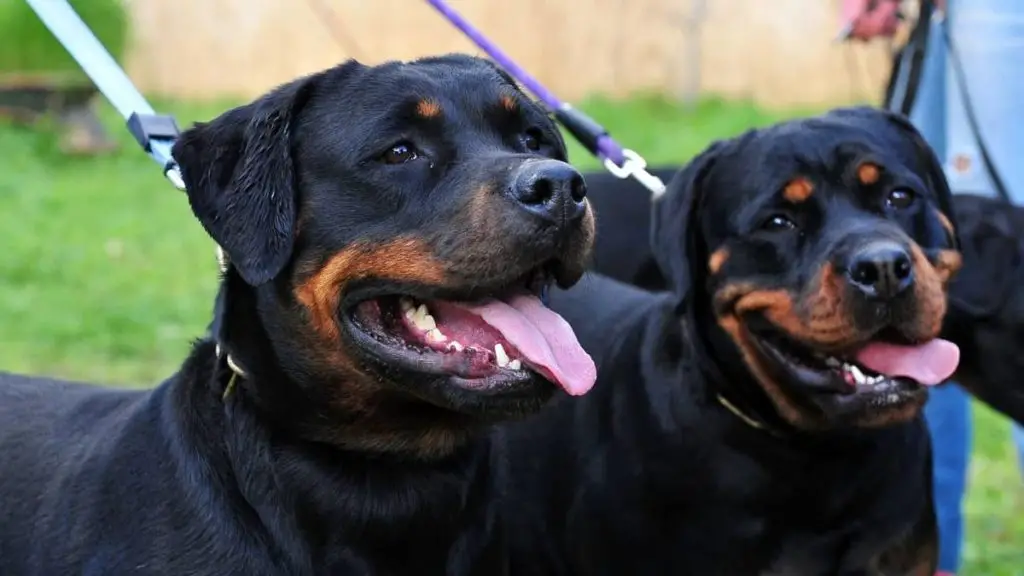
798 190
868 173
428 108
508 102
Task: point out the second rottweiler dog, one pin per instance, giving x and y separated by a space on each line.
389 231
986 299
762 418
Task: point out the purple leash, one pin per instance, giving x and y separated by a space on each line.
621 162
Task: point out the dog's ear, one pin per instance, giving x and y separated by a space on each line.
240 180
675 228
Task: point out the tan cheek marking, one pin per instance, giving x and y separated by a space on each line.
945 223
827 324
947 264
428 108
734 328
868 173
717 260
930 291
407 259
798 190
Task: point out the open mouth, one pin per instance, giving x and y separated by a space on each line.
494 338
885 370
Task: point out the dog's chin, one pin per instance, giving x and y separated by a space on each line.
427 343
831 387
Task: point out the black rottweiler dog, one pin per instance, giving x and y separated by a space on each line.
763 417
388 229
986 300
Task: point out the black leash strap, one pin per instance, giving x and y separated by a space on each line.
905 79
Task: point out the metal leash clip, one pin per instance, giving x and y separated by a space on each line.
635 166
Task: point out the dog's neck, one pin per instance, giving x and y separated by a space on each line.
342 411
313 499
725 374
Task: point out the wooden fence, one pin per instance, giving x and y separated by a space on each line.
777 52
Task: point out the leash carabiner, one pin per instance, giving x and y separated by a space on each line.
620 162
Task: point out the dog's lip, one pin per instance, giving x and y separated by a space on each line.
428 362
392 350
536 279
833 381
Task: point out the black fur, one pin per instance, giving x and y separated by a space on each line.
334 452
651 473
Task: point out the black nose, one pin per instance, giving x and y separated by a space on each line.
881 270
550 189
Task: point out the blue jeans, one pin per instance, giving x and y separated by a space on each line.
1018 439
948 414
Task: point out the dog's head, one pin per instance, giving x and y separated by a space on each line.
818 252
390 230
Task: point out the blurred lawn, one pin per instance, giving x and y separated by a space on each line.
105 276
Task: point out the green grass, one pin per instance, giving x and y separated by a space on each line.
27 45
105 276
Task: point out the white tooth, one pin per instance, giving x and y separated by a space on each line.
454 346
832 362
515 364
500 355
876 379
423 320
405 303
435 335
893 398
858 376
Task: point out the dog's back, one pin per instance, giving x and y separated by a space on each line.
54 434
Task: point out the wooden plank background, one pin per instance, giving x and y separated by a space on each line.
776 52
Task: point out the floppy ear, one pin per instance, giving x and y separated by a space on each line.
240 180
675 228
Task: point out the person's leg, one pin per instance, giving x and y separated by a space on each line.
948 414
1018 440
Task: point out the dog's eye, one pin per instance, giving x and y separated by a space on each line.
399 154
899 198
531 140
778 222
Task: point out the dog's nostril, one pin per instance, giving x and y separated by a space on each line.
902 267
864 273
578 189
540 192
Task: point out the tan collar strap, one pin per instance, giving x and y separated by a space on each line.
236 372
748 420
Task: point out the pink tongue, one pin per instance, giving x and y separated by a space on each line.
544 339
929 364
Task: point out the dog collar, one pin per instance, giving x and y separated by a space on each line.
748 420
236 371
